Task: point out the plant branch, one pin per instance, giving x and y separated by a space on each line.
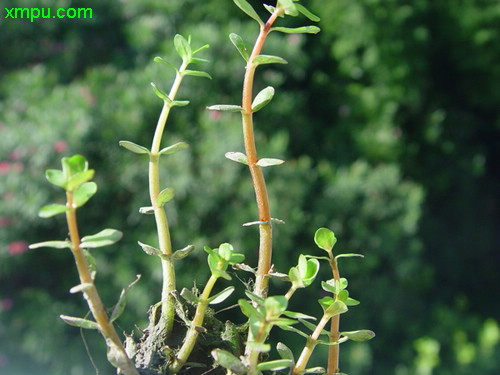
165 244
333 350
265 229
119 357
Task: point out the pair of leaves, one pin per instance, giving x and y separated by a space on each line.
219 259
178 254
304 273
74 173
138 149
240 157
289 7
103 238
81 195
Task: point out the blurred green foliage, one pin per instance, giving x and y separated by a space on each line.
389 123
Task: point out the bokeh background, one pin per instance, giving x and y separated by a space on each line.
389 121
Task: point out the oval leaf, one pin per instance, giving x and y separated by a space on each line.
159 59
53 244
221 296
268 162
103 238
182 47
267 59
359 335
165 196
298 30
56 177
243 48
138 149
150 250
325 239
278 364
78 179
196 73
306 12
237 156
284 351
262 98
79 322
248 9
189 296
83 193
228 360
182 253
225 108
174 148
52 210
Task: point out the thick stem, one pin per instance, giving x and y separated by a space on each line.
165 244
121 360
259 183
333 350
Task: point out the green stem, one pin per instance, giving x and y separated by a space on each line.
120 359
165 244
192 334
312 341
333 350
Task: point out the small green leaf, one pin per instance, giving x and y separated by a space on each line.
247 308
270 8
165 196
196 73
236 258
289 7
221 296
182 253
80 288
79 179
325 239
91 263
161 94
284 351
206 46
148 210
318 370
283 322
262 98
243 48
298 30
275 306
351 302
189 296
122 301
53 244
350 255
74 165
248 9
79 322
83 193
255 298
56 177
229 361
337 307
225 251
307 13
268 162
150 250
297 315
278 364
237 156
359 335
179 103
165 62
182 47
293 329
197 60
267 59
333 287
52 210
138 149
103 238
225 108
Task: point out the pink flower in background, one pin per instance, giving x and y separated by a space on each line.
60 146
6 304
4 167
17 247
4 221
3 360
